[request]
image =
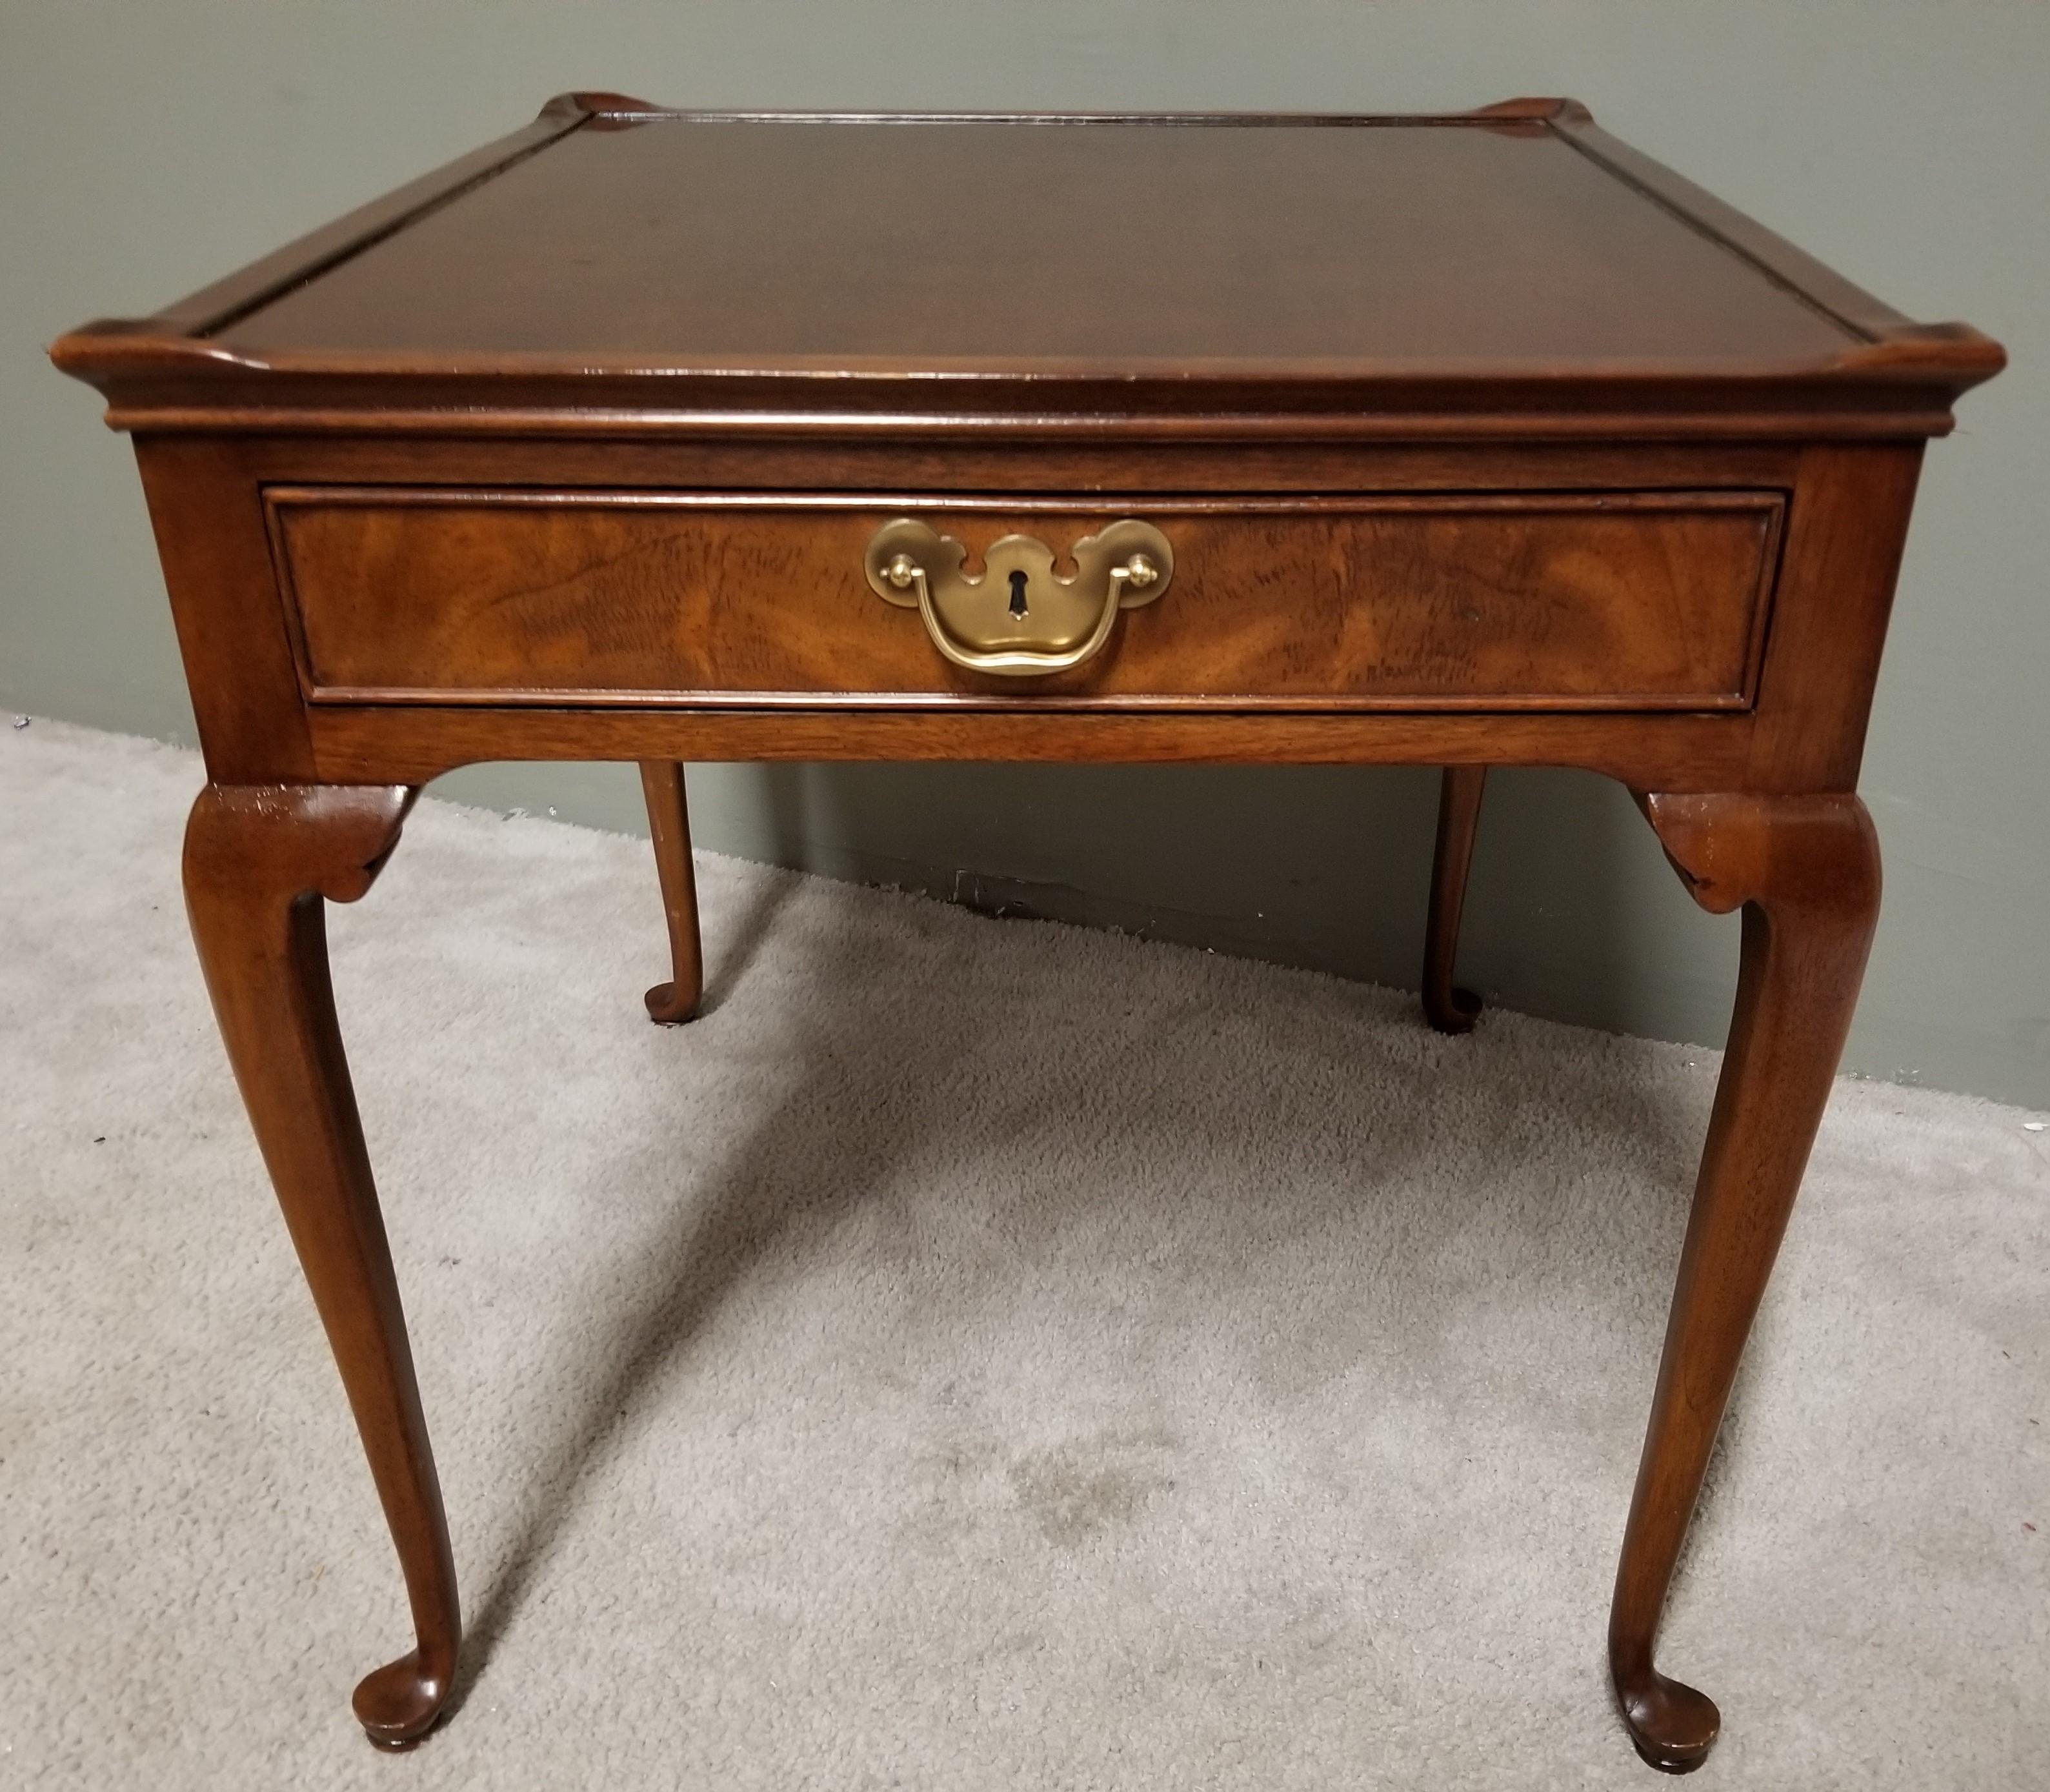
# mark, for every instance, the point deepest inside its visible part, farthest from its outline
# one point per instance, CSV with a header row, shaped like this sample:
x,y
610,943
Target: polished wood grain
x,y
1624,602
260,862
1276,245
1829,612
1501,271
1805,871
1481,439
420,742
669,828
1448,1008
233,635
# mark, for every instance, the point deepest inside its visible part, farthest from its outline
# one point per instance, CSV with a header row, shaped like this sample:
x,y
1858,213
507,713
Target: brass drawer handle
x,y
1018,619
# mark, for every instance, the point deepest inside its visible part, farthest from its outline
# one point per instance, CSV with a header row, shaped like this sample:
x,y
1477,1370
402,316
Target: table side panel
x,y
1847,528
205,500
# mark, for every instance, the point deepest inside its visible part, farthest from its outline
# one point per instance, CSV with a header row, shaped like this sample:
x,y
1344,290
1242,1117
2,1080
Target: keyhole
x,y
1018,593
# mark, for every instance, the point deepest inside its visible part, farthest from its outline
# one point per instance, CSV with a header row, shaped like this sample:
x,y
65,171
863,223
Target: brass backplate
x,y
1018,618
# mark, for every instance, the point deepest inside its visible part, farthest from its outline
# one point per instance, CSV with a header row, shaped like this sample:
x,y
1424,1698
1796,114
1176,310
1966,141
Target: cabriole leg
x,y
1448,1009
259,862
669,822
1805,870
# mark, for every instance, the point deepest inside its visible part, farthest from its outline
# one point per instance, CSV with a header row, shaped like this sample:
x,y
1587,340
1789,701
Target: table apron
x,y
1785,713
412,743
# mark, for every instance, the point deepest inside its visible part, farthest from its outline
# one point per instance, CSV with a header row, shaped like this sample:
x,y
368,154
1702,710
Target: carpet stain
x,y
1073,1491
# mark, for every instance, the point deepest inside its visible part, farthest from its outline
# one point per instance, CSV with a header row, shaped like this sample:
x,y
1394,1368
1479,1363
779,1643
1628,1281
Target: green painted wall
x,y
150,147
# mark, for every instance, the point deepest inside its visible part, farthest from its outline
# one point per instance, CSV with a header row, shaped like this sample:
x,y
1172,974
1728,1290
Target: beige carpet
x,y
975,1355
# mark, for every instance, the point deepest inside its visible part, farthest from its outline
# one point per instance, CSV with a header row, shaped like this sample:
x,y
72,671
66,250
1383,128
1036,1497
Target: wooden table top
x,y
774,243
1260,263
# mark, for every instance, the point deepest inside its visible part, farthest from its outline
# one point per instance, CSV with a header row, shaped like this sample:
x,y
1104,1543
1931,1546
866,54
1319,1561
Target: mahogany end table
x,y
1457,441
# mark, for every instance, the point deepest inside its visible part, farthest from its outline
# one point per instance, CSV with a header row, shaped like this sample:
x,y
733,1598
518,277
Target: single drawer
x,y
1588,601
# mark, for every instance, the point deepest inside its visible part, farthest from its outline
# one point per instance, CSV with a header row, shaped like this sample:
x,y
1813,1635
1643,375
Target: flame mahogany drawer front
x,y
1579,602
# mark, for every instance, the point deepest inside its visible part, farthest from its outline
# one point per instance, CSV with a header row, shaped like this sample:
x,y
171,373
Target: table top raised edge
x,y
165,372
